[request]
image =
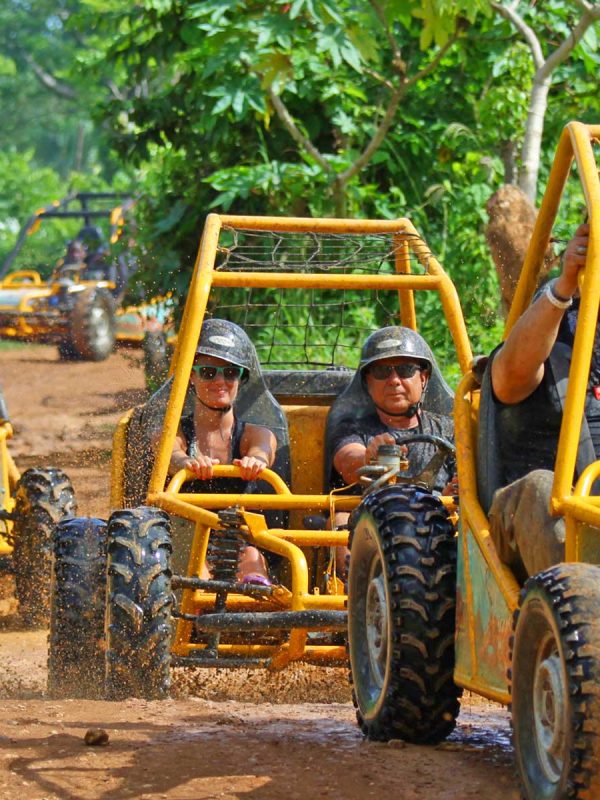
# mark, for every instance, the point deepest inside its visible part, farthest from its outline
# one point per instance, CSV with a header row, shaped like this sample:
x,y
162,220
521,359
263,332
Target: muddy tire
x,y
42,498
67,352
555,674
92,327
156,360
76,641
139,602
401,617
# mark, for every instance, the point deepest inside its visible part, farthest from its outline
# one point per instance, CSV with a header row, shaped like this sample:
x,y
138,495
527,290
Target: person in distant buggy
x,y
76,253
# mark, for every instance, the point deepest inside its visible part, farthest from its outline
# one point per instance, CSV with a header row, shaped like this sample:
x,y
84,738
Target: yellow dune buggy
x,y
30,506
307,292
54,292
535,647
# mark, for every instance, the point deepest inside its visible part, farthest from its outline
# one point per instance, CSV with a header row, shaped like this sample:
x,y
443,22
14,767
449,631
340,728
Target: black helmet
x,y
392,342
223,339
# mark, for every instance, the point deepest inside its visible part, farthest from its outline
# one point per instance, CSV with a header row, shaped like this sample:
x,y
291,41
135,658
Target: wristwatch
x,y
554,298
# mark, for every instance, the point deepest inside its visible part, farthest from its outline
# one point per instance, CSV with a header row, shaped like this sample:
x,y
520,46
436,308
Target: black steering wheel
x,y
444,450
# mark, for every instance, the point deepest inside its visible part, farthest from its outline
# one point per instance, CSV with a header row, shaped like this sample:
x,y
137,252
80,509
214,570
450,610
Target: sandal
x,y
257,579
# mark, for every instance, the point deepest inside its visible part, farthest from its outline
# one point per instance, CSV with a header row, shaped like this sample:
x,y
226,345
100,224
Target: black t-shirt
x,y
566,334
361,429
528,431
216,485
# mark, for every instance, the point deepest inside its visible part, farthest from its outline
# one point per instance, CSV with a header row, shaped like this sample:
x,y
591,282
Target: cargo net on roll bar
x,y
314,328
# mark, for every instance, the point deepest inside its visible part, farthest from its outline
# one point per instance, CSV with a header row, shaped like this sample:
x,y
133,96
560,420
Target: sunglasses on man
x,y
209,373
382,372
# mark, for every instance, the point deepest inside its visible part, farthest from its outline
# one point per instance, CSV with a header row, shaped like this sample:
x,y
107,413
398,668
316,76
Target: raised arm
x,y
518,367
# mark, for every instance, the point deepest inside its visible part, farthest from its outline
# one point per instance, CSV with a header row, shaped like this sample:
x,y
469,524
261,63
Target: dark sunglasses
x,y
209,373
382,372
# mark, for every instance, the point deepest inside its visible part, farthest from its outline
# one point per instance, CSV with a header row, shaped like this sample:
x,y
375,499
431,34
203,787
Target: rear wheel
x,y
156,360
92,326
76,642
555,673
42,498
139,604
401,616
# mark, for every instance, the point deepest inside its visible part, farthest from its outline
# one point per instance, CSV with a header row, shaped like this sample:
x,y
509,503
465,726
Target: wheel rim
x,y
550,711
368,619
542,711
376,622
100,324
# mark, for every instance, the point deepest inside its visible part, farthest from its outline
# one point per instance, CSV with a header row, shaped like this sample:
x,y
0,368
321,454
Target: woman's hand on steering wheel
x,y
201,466
250,466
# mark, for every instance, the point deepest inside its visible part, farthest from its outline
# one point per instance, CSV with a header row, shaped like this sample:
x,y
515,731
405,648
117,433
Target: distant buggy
x,y
30,506
65,279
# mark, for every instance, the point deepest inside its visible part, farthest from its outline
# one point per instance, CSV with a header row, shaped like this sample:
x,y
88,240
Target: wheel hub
x,y
101,325
376,627
549,706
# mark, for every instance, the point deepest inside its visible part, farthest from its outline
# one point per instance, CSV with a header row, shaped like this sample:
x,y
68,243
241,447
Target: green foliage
x,y
186,93
23,189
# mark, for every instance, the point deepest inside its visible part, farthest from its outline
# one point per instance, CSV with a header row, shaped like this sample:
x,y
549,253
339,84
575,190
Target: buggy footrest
x,y
199,660
245,622
180,582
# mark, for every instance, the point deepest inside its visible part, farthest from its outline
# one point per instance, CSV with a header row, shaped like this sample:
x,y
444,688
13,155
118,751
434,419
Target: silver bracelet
x,y
552,297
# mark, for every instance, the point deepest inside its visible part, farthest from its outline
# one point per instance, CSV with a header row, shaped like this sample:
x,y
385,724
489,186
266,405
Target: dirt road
x,y
227,735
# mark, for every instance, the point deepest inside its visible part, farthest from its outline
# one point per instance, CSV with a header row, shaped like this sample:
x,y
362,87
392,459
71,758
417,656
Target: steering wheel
x,y
228,471
427,476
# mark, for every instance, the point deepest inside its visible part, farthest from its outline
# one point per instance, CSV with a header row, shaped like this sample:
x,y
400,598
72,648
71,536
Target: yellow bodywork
x,y
24,311
488,591
9,475
306,422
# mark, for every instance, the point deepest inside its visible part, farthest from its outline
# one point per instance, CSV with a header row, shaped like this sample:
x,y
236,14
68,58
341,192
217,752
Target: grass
x,y
10,344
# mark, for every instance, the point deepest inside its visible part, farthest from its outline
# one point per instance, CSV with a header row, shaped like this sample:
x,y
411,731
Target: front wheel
x,y
76,641
156,360
555,673
92,326
139,601
401,616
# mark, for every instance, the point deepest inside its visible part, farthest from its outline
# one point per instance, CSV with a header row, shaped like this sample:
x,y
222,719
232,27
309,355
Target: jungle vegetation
x,y
358,108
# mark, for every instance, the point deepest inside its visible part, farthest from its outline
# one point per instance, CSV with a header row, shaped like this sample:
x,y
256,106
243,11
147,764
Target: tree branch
x,y
396,50
377,137
388,118
48,80
380,78
115,91
510,13
433,63
572,40
585,6
295,132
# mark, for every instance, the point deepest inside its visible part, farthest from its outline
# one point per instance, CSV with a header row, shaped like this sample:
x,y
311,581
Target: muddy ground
x,y
227,735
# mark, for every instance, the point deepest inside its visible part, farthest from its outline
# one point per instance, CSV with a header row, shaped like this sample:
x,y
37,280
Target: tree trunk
x,y
512,216
534,129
